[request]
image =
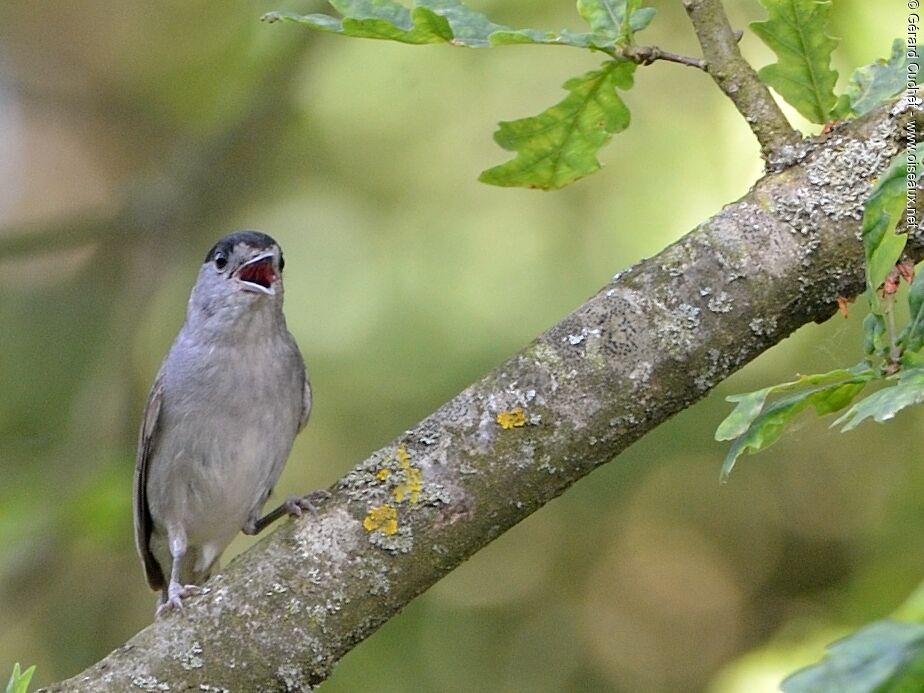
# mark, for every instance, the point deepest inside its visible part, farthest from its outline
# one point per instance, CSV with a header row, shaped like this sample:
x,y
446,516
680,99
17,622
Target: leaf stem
x,y
895,353
780,144
646,55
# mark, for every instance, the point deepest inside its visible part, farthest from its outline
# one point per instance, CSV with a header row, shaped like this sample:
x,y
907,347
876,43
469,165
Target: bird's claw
x,y
297,505
176,593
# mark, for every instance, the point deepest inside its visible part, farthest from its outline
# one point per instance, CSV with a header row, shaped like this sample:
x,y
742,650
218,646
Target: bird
x,y
226,405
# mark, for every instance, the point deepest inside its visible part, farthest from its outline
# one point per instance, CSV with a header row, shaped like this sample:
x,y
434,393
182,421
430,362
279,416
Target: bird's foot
x,y
176,593
294,506
297,505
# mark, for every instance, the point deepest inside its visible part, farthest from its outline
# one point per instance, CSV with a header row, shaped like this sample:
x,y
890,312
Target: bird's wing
x,y
143,522
306,404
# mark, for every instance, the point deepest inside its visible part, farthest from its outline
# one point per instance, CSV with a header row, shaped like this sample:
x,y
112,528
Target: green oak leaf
x,y
913,338
19,680
755,427
882,211
747,408
875,336
641,18
616,18
603,16
884,657
874,84
452,22
886,403
376,19
474,29
560,145
795,31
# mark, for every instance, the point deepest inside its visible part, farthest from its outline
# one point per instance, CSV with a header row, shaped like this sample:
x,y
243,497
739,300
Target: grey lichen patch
x,y
402,541
294,607
675,260
546,356
292,678
838,178
206,688
595,348
428,434
149,683
191,658
689,315
721,303
717,365
375,572
763,326
361,484
549,468
525,458
679,328
328,540
788,155
379,584
435,493
578,337
318,613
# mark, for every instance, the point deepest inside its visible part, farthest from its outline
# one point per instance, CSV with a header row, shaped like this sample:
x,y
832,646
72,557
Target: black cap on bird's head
x,y
255,239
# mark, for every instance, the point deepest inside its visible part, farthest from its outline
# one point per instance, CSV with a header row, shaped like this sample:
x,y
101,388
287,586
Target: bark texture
x,y
647,345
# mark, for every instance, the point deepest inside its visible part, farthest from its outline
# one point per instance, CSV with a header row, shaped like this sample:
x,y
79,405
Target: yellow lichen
x,y
511,419
411,486
383,518
413,480
382,474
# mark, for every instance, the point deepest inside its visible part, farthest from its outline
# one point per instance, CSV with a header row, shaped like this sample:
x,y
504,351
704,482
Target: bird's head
x,y
242,273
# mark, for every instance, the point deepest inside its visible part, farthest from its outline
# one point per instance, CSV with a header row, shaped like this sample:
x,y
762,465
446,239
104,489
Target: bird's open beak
x,y
259,274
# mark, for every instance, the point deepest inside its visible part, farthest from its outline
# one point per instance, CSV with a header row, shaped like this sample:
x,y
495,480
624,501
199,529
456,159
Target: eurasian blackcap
x,y
227,403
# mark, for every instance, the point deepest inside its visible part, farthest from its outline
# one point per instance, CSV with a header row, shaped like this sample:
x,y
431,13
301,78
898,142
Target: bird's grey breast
x,y
230,414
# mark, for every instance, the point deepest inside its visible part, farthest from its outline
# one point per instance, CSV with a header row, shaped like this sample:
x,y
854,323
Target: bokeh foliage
x,y
133,135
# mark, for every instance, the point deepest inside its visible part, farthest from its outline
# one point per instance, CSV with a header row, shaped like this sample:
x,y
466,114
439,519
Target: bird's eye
x,y
282,263
220,261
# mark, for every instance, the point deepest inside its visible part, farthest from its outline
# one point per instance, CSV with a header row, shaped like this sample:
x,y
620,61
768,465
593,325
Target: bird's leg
x,y
294,506
176,591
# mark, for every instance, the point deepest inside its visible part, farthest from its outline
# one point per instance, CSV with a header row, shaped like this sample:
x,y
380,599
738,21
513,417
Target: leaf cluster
x,y
559,145
893,357
797,32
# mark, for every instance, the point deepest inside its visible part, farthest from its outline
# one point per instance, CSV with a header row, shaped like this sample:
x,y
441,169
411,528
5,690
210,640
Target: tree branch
x,y
649,344
780,144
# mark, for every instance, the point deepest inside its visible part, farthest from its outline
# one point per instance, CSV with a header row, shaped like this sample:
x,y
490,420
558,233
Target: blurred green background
x,y
132,135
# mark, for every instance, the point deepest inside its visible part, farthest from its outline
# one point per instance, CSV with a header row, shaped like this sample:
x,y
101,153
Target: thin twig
x,y
646,55
780,144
